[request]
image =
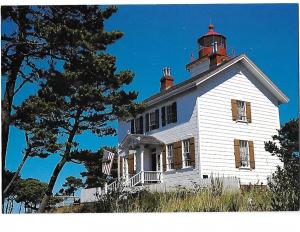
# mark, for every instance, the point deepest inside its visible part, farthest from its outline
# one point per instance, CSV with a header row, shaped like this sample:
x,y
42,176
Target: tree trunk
x,y
51,184
7,104
60,165
15,175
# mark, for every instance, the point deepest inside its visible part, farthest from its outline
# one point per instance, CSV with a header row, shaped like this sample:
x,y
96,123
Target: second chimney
x,y
166,81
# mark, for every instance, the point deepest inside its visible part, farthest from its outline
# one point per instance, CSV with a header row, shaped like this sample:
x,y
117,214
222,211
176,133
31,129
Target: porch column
x,y
161,163
142,162
160,159
126,168
119,168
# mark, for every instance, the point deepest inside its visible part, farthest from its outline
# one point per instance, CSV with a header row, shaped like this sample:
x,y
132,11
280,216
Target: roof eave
x,y
282,98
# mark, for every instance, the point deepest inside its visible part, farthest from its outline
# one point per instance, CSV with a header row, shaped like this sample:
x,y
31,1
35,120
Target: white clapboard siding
x,y
186,126
217,131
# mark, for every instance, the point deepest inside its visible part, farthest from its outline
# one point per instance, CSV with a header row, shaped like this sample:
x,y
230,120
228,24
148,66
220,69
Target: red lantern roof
x,y
211,30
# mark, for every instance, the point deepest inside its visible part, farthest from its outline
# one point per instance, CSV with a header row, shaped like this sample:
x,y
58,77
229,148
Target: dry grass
x,y
202,200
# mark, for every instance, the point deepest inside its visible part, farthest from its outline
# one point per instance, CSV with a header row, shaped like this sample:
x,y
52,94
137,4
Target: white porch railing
x,y
144,177
151,176
136,179
112,186
139,178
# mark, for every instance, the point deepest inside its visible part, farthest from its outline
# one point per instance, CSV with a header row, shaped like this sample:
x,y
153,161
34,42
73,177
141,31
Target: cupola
x,y
211,52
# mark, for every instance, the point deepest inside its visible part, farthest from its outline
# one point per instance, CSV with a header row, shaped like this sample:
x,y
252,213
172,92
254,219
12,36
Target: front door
x,y
153,160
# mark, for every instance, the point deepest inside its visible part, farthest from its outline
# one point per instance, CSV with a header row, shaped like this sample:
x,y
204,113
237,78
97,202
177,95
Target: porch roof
x,y
133,140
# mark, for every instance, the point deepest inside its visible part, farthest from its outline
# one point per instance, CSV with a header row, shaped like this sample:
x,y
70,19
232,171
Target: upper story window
x,y
152,120
241,111
169,114
186,153
170,163
136,126
139,125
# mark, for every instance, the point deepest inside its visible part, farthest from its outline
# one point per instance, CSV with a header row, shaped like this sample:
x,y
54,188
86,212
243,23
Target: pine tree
x,y
71,185
284,183
41,37
87,96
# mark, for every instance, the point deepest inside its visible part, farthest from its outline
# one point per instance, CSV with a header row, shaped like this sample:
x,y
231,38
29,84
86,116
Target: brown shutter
x,y
237,153
251,154
234,109
248,112
164,159
177,155
121,166
192,152
131,164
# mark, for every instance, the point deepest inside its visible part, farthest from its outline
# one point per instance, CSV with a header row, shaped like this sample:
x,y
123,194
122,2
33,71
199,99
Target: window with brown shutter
x,y
192,152
237,153
248,112
164,159
234,109
241,111
177,155
251,154
244,154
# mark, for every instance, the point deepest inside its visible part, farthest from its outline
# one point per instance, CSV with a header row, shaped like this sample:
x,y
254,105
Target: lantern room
x,y
212,43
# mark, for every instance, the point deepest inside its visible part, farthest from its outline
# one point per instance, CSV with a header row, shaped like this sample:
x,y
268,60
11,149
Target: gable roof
x,y
202,77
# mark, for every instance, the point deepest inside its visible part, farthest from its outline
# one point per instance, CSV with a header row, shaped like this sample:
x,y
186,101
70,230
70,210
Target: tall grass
x,y
210,199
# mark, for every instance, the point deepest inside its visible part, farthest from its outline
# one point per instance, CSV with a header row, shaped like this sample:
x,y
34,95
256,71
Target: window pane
x,y
241,110
170,157
244,153
186,154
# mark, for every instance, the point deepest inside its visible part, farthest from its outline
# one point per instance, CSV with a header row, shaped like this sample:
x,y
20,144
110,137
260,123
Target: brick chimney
x,y
166,81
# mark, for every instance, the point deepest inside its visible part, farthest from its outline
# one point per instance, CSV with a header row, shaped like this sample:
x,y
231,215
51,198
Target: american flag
x,y
108,158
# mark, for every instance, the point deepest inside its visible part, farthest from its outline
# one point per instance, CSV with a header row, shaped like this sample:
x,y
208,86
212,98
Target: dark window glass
x,y
132,126
163,116
147,122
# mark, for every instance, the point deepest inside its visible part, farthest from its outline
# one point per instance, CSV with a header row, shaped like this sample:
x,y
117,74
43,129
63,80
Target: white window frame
x,y
241,111
186,153
169,158
244,154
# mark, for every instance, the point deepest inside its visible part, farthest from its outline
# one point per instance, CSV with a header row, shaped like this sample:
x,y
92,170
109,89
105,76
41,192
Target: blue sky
x,y
165,35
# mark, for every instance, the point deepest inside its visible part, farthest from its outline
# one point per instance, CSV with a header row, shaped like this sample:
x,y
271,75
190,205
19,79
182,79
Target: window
x,y
244,153
170,164
241,111
132,126
186,153
152,120
169,114
139,125
136,125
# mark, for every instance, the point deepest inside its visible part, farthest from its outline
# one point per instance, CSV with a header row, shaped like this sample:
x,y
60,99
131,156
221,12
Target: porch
x,y
140,160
